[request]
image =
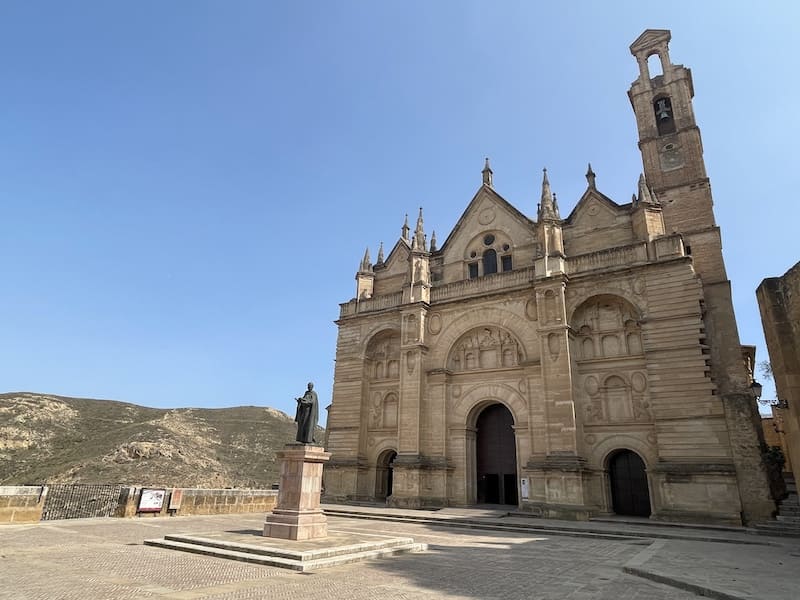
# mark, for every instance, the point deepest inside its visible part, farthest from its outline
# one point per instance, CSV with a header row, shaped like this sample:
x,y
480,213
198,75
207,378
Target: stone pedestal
x,y
297,515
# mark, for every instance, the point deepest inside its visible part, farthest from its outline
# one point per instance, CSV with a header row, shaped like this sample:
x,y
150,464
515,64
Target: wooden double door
x,y
496,457
630,493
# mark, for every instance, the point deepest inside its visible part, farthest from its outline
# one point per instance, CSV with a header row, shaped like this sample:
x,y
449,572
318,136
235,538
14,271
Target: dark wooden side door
x,y
629,492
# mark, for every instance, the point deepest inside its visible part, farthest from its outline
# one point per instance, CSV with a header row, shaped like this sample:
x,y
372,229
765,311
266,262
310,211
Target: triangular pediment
x,y
397,261
485,209
594,209
650,39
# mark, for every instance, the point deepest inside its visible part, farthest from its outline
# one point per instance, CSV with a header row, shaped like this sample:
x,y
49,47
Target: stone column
x,y
297,515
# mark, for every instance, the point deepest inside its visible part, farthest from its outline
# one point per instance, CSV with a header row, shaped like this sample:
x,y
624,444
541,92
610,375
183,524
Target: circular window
x,y
506,247
488,239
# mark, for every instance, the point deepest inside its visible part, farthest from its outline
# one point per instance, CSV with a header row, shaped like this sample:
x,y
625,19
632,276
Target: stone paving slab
x,y
104,559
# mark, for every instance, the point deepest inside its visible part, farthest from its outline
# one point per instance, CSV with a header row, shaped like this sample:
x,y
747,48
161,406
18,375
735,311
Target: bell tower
x,y
674,170
672,152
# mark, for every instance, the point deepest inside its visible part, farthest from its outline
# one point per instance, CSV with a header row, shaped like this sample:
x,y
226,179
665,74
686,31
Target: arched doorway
x,y
383,474
496,456
630,494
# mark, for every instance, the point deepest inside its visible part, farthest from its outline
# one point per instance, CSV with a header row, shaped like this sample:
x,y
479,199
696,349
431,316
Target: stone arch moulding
x,y
376,331
465,410
575,302
490,317
385,445
602,451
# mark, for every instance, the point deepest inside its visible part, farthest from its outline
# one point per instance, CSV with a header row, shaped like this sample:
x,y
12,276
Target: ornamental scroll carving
x,y
485,348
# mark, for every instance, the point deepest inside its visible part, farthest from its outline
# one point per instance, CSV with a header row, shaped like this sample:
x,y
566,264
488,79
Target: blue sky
x,y
187,188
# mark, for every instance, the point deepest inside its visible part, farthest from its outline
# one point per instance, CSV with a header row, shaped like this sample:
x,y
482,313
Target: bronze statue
x,y
306,416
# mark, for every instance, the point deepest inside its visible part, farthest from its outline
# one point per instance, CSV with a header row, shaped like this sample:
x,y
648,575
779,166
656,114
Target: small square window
x,y
473,270
506,260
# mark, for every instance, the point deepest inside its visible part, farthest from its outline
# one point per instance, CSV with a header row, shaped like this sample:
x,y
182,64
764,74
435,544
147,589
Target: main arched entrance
x,y
383,474
496,456
630,494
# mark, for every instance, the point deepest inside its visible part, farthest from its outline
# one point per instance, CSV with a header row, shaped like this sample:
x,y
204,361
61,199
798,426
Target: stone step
x,y
308,560
788,520
777,529
578,529
286,553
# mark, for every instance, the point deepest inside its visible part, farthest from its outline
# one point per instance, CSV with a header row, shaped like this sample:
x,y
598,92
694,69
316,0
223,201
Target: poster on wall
x,y
151,500
524,487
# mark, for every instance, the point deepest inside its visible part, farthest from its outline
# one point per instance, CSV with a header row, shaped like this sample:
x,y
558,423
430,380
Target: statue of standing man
x,y
306,416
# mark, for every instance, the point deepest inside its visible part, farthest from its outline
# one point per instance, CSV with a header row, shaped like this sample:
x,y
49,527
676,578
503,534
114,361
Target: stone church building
x,y
571,366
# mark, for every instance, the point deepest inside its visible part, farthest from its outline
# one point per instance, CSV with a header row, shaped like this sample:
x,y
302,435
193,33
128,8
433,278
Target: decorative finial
x,y
366,266
419,234
644,192
555,206
590,178
487,173
380,254
546,208
433,241
405,229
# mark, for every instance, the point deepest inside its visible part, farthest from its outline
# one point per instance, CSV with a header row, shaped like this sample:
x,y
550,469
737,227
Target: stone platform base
x,y
296,525
252,547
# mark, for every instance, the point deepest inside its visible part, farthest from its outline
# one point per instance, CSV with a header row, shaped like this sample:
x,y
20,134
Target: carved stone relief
x,y
435,323
383,410
383,357
411,362
411,329
550,307
616,401
607,327
553,345
531,310
485,348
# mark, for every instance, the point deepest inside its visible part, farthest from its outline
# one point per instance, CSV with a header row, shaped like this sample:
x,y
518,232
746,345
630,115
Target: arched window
x,y
489,262
665,119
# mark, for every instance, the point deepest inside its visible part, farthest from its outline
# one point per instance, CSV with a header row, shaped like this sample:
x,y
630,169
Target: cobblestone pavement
x,y
105,559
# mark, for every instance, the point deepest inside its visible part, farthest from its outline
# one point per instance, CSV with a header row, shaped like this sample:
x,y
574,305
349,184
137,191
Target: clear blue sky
x,y
187,188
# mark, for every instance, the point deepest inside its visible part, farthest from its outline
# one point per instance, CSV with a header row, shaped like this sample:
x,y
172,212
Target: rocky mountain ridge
x,y
55,439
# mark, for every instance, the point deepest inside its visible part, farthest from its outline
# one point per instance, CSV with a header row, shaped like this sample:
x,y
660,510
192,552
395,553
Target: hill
x,y
54,439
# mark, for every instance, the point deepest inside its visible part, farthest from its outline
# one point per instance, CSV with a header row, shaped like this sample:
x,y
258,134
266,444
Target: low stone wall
x,y
196,501
24,504
21,503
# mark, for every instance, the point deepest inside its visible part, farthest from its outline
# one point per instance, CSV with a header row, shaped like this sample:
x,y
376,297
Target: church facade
x,y
571,366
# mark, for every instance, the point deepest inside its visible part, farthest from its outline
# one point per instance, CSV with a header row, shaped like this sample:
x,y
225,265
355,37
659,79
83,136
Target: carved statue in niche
x,y
641,409
484,348
376,410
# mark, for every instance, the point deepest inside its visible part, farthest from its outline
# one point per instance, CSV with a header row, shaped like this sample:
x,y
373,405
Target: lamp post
x,y
757,389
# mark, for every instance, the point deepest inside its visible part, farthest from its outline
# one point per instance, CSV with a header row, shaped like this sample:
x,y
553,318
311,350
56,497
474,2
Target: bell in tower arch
x,y
664,117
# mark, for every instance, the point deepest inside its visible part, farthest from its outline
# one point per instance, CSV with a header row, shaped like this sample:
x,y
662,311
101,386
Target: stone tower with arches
x,y
569,366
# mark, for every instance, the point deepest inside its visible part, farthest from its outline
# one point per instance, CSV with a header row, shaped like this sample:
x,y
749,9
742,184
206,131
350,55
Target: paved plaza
x,y
106,559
